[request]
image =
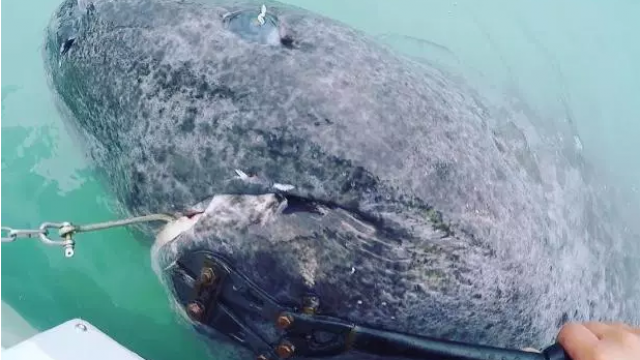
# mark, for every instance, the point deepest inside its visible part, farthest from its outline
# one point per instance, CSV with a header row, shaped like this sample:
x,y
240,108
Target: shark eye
x,y
253,26
287,41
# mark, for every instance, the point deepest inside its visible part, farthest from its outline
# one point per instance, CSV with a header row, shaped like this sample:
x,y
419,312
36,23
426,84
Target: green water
x,y
578,59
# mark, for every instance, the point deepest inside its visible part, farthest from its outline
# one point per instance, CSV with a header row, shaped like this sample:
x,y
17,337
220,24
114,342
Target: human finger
x,y
599,329
602,329
577,340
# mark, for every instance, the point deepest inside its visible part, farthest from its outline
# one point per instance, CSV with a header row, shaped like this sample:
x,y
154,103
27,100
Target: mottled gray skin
x,y
453,226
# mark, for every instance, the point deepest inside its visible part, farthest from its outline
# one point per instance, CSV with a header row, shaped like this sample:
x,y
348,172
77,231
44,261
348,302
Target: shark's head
x,y
327,164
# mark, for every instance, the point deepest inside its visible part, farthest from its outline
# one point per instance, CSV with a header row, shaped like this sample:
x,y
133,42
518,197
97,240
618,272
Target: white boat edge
x,y
75,339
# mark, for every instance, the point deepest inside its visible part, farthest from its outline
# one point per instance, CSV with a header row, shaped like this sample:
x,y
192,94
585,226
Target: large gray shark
x,y
326,163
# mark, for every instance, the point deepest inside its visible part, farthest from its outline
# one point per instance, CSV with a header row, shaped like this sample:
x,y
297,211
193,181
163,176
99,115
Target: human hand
x,y
600,341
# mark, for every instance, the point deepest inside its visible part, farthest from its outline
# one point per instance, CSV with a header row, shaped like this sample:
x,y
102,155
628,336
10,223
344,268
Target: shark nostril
x,y
73,19
66,45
